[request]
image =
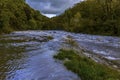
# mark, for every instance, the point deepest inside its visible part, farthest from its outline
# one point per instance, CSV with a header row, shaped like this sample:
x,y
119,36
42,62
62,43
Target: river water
x,y
28,55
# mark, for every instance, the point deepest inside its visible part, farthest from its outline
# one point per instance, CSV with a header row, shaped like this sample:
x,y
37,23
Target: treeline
x,y
92,17
17,15
89,16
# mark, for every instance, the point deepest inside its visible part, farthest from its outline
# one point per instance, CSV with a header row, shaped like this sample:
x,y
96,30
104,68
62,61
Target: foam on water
x,y
37,63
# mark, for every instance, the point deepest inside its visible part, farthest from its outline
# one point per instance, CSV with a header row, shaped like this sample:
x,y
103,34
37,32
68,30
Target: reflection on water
x,y
28,55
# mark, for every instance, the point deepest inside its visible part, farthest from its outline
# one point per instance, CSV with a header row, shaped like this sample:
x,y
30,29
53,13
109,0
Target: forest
x,y
92,17
17,15
89,16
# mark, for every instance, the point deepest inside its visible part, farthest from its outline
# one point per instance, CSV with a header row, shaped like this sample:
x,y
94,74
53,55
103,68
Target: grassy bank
x,y
86,68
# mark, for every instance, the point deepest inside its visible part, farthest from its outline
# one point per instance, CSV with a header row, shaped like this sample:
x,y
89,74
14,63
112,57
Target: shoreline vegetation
x,y
87,17
86,68
16,15
98,17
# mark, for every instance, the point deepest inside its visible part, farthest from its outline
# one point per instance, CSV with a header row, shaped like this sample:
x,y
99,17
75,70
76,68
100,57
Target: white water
x,y
38,62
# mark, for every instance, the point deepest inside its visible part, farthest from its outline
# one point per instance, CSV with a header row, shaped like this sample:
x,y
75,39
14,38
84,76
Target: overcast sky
x,y
51,7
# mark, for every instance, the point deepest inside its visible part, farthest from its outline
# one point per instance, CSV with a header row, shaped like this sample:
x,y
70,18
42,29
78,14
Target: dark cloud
x,y
51,6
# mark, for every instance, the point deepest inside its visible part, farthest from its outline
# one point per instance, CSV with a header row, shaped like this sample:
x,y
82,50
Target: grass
x,y
11,41
4,39
70,41
86,68
49,37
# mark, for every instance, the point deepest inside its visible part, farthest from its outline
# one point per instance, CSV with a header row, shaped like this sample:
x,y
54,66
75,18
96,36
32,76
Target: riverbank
x,y
85,67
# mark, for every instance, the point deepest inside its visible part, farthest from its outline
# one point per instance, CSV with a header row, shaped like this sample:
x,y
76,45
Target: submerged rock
x,y
36,61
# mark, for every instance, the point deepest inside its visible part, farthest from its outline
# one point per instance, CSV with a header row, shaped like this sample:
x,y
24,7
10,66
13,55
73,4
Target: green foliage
x,y
17,15
70,41
32,24
86,68
89,16
93,17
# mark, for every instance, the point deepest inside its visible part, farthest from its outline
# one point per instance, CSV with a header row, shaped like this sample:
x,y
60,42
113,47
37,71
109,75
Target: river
x,y
28,55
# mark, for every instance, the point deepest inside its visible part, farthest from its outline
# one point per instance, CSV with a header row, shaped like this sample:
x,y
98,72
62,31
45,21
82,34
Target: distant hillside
x,y
91,16
17,15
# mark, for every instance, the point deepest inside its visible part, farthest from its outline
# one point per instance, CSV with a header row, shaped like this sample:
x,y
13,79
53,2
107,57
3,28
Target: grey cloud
x,y
51,6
